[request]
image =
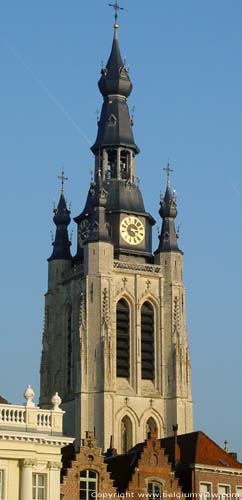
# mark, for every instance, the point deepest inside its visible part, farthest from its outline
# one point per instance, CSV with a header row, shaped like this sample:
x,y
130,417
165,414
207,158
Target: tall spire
x,y
115,124
168,211
61,243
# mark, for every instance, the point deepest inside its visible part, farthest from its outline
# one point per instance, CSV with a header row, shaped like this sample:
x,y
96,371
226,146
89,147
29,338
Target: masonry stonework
x,y
115,343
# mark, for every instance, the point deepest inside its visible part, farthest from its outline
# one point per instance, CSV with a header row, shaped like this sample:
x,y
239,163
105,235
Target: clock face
x,y
132,230
84,231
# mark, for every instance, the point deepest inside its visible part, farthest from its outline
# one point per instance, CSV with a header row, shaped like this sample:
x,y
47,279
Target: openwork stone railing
x,y
12,414
44,419
31,418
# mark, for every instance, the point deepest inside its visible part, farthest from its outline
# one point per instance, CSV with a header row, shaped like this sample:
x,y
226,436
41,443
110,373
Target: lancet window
x,y
123,338
126,434
147,341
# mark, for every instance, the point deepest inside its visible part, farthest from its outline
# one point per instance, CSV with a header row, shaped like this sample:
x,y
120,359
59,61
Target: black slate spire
x,y
115,125
114,192
61,243
168,211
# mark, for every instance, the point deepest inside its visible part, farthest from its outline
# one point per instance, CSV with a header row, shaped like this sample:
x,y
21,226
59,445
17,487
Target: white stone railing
x,y
44,419
12,414
34,419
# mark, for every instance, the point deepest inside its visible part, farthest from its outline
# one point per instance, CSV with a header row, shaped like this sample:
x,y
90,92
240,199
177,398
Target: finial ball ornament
x,y
29,396
56,401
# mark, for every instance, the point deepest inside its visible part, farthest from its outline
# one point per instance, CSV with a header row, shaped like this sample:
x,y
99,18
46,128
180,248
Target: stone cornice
x,y
142,268
27,437
217,469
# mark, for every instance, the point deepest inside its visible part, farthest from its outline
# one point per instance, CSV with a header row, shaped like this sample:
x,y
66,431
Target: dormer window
x,y
112,120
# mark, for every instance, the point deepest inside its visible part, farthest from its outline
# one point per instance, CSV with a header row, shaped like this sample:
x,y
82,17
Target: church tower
x,y
115,342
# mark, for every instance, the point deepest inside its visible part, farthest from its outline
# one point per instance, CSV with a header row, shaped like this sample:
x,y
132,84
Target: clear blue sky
x,y
185,64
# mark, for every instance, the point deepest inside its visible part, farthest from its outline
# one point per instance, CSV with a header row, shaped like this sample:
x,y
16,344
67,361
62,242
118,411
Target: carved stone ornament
x,y
54,465
28,462
29,396
154,460
83,309
105,307
56,401
136,267
176,315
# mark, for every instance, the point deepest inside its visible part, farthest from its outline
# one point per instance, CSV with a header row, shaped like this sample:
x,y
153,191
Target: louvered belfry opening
x,y
147,341
122,327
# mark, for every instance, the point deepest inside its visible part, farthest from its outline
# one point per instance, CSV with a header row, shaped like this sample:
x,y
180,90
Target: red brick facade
x,y
153,466
88,458
173,466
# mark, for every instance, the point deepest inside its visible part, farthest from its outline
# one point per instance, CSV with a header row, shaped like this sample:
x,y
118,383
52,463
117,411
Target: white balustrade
x,y
44,419
31,418
12,415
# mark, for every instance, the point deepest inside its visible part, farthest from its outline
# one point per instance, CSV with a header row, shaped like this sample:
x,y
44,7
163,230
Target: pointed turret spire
x,y
115,137
61,243
168,211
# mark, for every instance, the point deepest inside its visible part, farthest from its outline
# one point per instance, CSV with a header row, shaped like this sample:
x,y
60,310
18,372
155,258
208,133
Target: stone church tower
x,y
115,342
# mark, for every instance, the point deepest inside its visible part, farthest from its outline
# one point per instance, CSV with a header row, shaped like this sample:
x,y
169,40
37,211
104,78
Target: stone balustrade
x,y
31,418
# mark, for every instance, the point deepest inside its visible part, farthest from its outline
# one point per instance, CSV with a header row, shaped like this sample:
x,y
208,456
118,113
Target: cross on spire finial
x,y
168,171
62,179
116,7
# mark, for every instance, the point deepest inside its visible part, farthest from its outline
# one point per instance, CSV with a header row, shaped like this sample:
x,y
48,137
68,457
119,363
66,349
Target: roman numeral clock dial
x,y
132,230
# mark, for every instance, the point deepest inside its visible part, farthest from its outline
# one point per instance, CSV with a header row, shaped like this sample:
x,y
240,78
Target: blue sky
x,y
185,64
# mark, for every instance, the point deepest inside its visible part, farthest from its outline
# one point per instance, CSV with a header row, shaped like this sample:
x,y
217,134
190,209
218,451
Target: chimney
x,y
177,451
111,450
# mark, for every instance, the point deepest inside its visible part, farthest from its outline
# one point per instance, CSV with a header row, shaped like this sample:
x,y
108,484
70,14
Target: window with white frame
x,y
1,484
223,491
88,484
39,486
206,491
239,492
154,490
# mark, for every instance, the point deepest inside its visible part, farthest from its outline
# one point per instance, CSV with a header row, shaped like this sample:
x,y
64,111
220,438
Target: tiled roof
x,y
198,448
121,467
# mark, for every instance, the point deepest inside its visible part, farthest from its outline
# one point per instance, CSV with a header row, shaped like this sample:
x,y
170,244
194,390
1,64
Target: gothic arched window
x,y
151,426
126,434
147,341
122,339
88,484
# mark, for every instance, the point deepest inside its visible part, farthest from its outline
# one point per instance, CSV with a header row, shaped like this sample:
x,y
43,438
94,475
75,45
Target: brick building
x,y
157,468
84,472
143,470
202,466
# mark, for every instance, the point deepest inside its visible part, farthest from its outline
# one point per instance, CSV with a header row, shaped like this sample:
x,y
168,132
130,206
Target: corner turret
x,y
168,212
61,243
60,259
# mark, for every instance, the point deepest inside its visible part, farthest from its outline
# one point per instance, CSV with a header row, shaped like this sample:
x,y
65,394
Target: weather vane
x,y
168,171
116,7
62,179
